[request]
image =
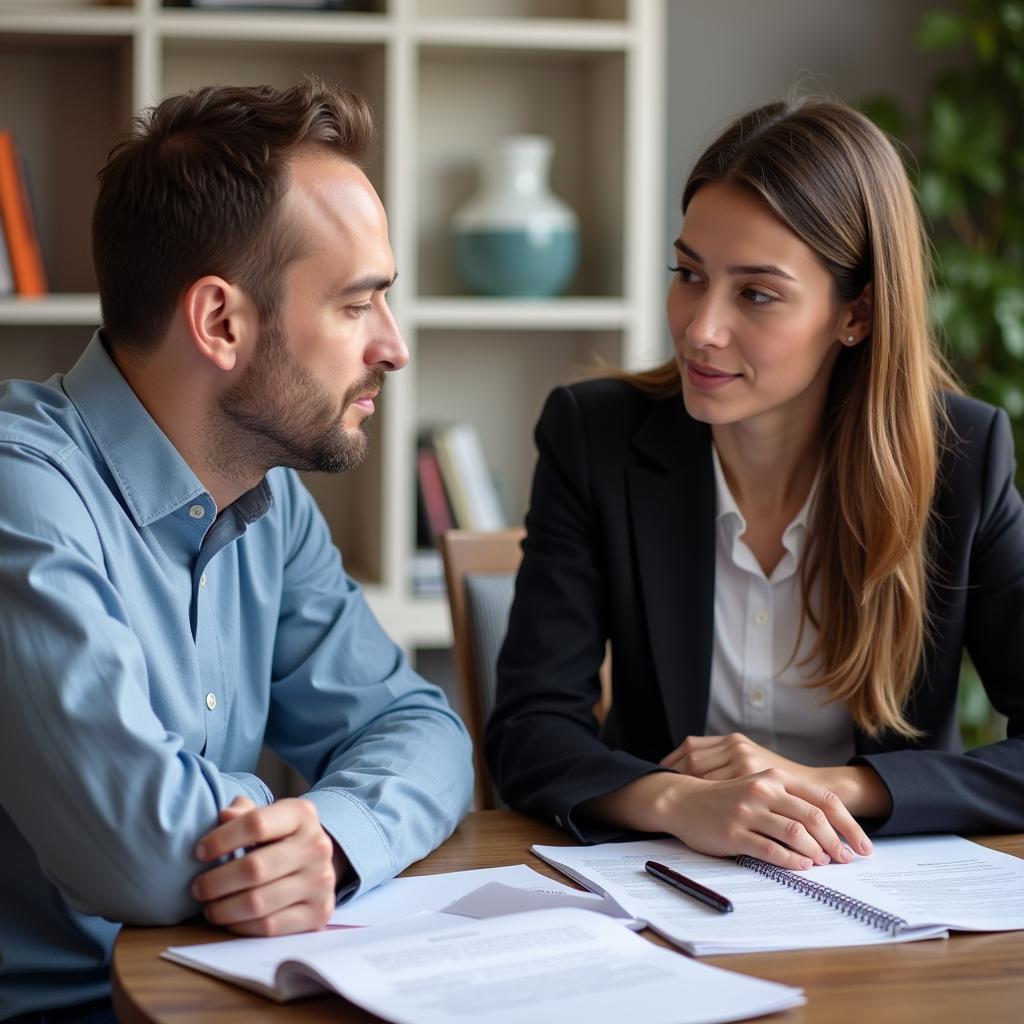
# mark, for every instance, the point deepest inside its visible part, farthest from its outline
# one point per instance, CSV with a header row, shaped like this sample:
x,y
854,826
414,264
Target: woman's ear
x,y
855,324
221,320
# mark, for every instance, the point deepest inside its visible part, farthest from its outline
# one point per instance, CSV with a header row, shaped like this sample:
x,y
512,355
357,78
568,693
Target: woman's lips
x,y
707,378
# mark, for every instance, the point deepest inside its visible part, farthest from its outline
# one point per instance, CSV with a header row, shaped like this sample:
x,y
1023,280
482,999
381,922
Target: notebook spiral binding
x,y
865,912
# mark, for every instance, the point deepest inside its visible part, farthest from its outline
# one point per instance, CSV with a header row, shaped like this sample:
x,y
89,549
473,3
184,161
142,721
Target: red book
x,y
19,229
435,500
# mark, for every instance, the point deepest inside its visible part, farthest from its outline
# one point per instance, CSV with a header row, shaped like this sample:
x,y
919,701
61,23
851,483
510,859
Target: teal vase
x,y
515,238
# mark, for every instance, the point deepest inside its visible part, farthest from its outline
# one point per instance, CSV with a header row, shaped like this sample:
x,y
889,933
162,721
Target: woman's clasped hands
x,y
733,796
727,795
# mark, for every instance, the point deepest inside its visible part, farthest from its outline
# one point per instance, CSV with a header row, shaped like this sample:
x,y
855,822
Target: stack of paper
x,y
512,945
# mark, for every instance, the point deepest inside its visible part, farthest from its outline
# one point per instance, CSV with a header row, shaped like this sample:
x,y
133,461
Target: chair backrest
x,y
480,573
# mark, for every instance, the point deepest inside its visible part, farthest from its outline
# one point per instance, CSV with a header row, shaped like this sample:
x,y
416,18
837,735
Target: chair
x,y
480,571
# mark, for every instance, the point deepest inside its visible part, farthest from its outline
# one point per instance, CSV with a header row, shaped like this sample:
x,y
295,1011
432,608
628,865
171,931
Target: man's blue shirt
x,y
148,648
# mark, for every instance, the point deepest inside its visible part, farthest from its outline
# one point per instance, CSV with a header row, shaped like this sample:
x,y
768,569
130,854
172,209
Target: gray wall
x,y
725,56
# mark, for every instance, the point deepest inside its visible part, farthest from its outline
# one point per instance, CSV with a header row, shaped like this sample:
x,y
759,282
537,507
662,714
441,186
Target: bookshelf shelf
x,y
278,27
67,308
446,78
70,22
524,314
535,34
574,12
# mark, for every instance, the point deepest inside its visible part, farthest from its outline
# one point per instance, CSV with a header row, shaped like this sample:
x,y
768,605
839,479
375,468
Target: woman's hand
x,y
772,814
717,758
729,757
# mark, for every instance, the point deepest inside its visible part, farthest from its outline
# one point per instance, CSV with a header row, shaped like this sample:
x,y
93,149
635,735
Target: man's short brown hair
x,y
195,188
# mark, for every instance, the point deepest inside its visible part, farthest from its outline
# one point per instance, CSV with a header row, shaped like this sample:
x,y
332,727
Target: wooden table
x,y
976,978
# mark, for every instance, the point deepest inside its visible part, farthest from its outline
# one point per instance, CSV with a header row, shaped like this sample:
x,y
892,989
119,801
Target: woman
x,y
787,534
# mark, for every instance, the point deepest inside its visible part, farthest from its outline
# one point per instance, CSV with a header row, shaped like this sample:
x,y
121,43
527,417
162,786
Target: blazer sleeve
x,y
982,789
542,742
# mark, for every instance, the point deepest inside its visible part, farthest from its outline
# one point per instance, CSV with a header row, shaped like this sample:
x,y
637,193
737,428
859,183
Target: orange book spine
x,y
22,242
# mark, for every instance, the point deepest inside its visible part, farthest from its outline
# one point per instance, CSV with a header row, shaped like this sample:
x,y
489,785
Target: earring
x,y
849,339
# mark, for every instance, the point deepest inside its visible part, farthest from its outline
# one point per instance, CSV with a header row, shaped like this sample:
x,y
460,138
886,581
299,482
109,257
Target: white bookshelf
x,y
445,78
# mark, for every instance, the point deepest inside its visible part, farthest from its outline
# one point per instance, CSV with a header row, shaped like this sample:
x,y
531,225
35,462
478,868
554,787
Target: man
x,y
169,595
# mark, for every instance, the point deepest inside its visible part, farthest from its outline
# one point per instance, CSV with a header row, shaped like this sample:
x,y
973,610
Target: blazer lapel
x,y
672,503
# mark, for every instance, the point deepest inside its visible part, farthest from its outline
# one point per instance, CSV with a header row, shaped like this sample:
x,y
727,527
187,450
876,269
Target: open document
x,y
908,888
543,966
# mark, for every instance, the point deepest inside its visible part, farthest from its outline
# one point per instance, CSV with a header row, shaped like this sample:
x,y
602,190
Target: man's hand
x,y
287,878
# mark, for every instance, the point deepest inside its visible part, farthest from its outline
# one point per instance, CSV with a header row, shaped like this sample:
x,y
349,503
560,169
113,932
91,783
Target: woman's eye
x,y
758,297
685,274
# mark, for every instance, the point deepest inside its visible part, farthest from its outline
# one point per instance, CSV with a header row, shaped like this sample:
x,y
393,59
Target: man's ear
x,y
858,317
221,319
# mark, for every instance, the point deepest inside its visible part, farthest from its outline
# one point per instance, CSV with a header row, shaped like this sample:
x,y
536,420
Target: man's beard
x,y
279,415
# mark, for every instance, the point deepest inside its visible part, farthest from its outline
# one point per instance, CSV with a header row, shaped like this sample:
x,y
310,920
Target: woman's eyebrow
x,y
746,268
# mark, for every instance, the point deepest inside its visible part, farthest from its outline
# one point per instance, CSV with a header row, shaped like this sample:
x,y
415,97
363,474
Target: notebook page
x,y
767,915
935,880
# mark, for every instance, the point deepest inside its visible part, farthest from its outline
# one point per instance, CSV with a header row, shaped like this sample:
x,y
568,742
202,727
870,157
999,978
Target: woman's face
x,y
752,312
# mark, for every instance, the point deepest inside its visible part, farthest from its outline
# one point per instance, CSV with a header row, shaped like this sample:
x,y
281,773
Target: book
x,y
426,573
18,223
6,271
545,966
909,888
435,513
467,479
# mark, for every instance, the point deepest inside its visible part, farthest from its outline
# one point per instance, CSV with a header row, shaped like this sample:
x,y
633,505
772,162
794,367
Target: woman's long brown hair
x,y
833,178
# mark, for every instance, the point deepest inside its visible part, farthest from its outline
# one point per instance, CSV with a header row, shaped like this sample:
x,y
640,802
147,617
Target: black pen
x,y
699,892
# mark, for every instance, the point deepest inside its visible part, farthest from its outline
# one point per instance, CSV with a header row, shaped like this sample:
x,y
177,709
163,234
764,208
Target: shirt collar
x,y
729,512
149,471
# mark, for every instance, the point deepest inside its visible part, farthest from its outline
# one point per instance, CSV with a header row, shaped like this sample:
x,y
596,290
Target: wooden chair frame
x,y
469,551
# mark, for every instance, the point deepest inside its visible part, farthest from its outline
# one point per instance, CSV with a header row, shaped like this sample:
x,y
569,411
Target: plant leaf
x,y
940,30
1009,314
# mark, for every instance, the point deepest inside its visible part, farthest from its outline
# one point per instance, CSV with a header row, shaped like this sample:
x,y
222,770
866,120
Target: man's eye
x,y
361,310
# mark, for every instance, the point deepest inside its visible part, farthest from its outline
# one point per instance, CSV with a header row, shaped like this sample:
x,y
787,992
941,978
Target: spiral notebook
x,y
909,888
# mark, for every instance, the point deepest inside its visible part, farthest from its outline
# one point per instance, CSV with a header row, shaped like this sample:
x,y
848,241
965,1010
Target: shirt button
x,y
757,698
211,701
202,581
760,617
197,511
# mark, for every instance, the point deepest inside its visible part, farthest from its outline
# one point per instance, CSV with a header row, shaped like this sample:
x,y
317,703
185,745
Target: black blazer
x,y
620,547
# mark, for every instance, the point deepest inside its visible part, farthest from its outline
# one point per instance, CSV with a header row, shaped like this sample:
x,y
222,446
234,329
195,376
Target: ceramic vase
x,y
514,237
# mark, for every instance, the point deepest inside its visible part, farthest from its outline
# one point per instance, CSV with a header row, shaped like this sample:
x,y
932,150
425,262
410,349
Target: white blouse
x,y
755,677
